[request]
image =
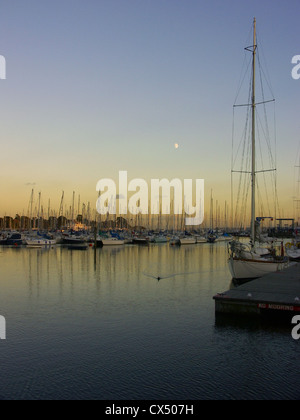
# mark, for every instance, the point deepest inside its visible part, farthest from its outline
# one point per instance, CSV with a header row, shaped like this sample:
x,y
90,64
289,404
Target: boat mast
x,y
38,226
253,173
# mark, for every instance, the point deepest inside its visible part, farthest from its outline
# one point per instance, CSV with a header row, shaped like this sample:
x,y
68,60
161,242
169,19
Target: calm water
x,y
86,326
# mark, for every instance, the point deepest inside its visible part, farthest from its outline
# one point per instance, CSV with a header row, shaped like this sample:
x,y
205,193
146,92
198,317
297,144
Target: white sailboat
x,y
248,261
187,240
41,242
112,241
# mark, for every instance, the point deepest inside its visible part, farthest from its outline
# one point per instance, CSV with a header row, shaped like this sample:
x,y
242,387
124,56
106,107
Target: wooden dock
x,y
276,293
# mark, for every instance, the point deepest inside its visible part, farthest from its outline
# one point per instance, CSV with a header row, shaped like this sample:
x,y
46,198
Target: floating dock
x,y
276,293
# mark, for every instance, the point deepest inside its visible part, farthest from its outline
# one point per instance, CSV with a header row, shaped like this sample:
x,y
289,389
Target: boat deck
x,y
274,293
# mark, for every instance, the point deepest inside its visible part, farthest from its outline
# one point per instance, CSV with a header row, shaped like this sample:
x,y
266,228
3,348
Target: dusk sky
x,y
98,86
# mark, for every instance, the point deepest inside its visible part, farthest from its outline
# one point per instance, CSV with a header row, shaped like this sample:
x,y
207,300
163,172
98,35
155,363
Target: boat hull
x,y
242,269
188,241
40,243
160,240
112,242
201,240
140,241
73,241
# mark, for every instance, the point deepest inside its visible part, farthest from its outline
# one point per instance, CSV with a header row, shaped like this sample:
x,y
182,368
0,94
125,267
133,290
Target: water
x,y
86,326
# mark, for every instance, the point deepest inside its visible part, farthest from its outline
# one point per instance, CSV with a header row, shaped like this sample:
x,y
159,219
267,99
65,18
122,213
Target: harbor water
x,y
99,325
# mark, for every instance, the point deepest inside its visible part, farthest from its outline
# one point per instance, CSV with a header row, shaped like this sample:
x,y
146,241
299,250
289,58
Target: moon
x,y
176,145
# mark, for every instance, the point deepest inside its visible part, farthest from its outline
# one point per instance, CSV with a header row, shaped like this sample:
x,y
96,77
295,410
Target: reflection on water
x,y
88,325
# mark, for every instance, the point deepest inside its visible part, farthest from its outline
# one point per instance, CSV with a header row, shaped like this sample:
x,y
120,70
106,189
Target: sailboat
x,y
246,261
211,236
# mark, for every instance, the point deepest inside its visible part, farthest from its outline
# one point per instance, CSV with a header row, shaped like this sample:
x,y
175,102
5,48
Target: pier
x,y
274,294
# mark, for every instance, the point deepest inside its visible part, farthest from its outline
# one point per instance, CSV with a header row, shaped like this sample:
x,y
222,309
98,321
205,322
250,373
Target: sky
x,y
98,86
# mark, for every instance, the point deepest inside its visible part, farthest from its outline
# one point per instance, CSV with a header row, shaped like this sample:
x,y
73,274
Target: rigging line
x,y
248,113
271,161
260,201
241,143
245,201
244,188
239,193
244,181
275,159
264,174
232,137
267,135
266,74
268,142
246,63
231,175
242,79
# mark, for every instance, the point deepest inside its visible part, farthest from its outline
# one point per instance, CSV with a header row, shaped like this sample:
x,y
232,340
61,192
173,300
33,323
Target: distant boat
x,y
140,240
211,237
187,240
14,239
112,241
160,239
74,240
39,242
200,239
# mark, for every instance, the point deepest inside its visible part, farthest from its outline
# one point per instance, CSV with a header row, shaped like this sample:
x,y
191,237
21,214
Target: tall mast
x,y
253,173
38,226
31,205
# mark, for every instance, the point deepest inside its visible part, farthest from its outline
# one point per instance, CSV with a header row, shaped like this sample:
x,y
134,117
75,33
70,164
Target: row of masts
x,y
77,213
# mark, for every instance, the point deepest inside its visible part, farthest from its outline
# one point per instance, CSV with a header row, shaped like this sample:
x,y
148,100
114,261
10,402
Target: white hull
x,y
187,241
113,242
253,269
40,243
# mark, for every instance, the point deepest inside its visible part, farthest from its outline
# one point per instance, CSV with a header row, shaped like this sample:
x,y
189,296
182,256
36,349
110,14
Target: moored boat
x,y
140,240
112,241
247,261
187,240
160,239
39,242
13,239
73,240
